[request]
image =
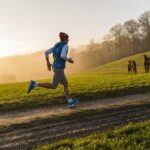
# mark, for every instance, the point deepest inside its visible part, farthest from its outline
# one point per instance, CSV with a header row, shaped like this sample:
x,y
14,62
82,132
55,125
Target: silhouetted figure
x,y
129,66
146,63
132,67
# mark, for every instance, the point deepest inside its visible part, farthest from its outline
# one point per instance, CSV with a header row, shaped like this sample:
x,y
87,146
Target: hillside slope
x,y
33,66
104,81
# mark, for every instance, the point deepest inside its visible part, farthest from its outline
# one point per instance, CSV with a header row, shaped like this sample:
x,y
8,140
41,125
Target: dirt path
x,y
26,116
27,135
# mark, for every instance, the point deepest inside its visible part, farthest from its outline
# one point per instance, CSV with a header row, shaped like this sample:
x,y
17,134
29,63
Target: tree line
x,y
123,39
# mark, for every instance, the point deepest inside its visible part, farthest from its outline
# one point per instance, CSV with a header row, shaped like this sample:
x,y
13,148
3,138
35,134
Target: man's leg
x,y
64,82
53,85
55,82
71,101
66,91
34,84
47,85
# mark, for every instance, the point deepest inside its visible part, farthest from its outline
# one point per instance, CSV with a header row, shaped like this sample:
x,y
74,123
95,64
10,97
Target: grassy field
x,y
132,136
104,81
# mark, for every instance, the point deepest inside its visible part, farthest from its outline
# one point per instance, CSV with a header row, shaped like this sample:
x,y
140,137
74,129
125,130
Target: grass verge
x,y
128,137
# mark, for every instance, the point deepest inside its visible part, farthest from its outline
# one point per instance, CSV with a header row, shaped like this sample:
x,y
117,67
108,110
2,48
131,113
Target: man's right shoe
x,y
73,103
31,86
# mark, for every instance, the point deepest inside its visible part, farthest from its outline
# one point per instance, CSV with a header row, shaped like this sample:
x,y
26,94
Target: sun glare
x,y
8,48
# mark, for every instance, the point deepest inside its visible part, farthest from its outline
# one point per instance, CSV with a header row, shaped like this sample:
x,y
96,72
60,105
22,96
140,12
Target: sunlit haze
x,y
31,25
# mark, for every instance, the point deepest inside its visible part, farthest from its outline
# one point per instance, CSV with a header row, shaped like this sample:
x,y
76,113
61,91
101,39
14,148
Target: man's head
x,y
64,37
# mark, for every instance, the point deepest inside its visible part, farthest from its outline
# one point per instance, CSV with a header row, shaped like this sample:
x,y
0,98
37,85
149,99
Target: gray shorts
x,y
59,77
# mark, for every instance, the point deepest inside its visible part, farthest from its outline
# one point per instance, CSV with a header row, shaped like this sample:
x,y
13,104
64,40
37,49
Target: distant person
x,y
132,67
129,66
59,52
146,63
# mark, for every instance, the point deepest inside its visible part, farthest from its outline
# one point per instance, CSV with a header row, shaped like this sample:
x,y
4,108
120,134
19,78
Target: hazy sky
x,y
31,25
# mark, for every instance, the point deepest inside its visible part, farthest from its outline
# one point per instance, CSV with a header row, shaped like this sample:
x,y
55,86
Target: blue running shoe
x,y
31,86
73,103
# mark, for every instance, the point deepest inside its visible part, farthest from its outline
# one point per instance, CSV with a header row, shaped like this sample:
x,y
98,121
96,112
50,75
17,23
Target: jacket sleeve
x,y
64,52
49,51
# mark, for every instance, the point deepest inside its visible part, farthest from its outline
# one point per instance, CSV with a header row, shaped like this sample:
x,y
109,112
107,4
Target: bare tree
x,y
118,35
132,31
92,47
144,21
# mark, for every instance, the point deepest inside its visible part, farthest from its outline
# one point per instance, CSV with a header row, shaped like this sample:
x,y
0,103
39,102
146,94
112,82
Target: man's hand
x,y
70,60
49,66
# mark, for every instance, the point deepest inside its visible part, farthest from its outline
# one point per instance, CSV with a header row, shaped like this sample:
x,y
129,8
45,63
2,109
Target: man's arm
x,y
49,51
64,54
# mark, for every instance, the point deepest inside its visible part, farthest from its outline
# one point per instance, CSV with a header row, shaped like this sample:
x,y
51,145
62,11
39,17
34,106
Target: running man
x,y
59,52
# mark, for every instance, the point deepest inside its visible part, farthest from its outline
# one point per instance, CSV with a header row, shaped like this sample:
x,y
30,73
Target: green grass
x,y
104,81
129,137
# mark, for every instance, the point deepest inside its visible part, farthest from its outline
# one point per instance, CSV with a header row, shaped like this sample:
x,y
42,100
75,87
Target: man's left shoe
x,y
31,86
73,103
